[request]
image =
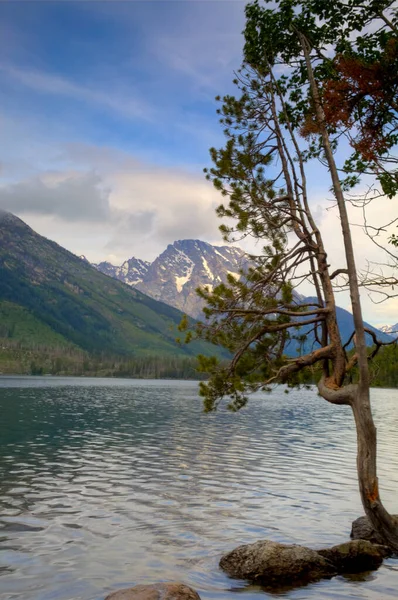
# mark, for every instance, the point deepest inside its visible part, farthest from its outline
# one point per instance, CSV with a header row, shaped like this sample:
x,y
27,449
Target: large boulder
x,y
156,591
362,529
273,564
355,556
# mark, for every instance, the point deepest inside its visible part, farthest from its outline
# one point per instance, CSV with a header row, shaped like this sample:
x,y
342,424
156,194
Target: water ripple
x,y
106,484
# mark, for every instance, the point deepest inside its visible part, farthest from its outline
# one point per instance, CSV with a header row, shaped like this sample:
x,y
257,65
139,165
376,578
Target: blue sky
x,y
137,76
107,114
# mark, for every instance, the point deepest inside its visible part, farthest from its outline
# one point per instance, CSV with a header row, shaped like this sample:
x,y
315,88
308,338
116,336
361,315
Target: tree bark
x,y
381,520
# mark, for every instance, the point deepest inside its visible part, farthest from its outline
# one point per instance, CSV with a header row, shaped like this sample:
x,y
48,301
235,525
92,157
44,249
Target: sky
x,y
107,113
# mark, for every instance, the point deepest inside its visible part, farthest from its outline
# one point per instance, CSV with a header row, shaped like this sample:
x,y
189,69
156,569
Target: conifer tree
x,y
302,60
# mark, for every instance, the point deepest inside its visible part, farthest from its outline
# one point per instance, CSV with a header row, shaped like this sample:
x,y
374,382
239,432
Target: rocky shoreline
x,y
274,565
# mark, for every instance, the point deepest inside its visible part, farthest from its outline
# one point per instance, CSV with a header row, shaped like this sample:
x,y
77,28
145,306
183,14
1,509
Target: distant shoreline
x,y
110,377
126,378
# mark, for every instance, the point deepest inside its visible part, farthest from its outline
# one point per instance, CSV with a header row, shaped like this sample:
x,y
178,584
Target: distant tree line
x,y
34,359
383,369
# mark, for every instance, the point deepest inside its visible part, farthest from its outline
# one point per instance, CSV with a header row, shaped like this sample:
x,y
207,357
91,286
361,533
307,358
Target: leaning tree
x,y
281,121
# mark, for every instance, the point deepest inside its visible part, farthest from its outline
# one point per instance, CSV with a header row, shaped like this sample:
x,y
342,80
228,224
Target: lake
x,y
109,483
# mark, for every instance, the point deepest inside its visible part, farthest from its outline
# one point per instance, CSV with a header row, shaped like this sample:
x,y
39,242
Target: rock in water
x,y
274,564
362,529
356,556
156,591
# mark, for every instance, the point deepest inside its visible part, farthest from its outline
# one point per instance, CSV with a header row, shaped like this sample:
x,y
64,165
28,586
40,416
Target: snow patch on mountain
x,y
207,269
181,281
132,271
219,253
234,275
390,329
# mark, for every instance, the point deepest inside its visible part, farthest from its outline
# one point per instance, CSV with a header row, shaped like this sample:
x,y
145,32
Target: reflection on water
x,y
108,483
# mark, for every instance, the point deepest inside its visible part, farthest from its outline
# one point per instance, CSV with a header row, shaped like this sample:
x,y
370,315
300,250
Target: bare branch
x,y
338,272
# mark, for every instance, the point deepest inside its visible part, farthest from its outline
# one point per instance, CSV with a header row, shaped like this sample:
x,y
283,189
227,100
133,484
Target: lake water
x,y
110,483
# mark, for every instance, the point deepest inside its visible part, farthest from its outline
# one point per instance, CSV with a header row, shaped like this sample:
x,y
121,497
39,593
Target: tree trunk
x,y
382,521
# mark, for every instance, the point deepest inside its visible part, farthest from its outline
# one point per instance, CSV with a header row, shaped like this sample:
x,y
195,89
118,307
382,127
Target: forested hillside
x,y
50,298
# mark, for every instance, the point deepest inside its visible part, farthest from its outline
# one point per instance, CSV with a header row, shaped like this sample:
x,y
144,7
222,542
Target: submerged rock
x,y
355,556
274,564
362,529
156,591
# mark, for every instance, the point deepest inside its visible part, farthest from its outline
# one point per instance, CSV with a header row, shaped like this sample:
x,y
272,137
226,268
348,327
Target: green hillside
x,y
20,325
50,297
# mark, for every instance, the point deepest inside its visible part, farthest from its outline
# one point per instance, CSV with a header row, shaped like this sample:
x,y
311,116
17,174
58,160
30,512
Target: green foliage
x,y
36,369
384,368
249,316
361,33
393,240
389,183
18,324
24,358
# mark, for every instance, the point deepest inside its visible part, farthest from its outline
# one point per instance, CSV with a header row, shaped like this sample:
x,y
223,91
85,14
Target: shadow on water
x,y
109,483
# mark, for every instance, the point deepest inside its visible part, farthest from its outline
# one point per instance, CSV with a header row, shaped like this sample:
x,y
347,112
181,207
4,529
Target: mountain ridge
x,y
71,303
185,265
81,305
179,270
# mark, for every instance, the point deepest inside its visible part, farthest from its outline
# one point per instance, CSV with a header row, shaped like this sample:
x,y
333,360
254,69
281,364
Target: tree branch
x,y
338,272
301,362
335,395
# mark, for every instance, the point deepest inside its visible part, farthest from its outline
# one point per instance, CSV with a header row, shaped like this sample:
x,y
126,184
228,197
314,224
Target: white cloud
x,y
157,206
378,213
114,206
69,196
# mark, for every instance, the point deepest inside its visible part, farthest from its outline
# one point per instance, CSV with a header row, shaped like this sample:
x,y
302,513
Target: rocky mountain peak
x,y
179,270
7,219
132,271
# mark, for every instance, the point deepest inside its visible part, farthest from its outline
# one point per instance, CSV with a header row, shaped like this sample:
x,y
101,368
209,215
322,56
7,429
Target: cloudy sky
x,y
107,115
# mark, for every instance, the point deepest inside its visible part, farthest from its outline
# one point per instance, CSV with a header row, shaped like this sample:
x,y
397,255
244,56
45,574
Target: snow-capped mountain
x,y
186,265
390,329
132,271
174,276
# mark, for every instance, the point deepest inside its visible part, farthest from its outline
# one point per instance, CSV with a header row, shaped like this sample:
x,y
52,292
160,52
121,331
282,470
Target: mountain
x,y
391,330
174,276
345,322
186,265
51,296
132,271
